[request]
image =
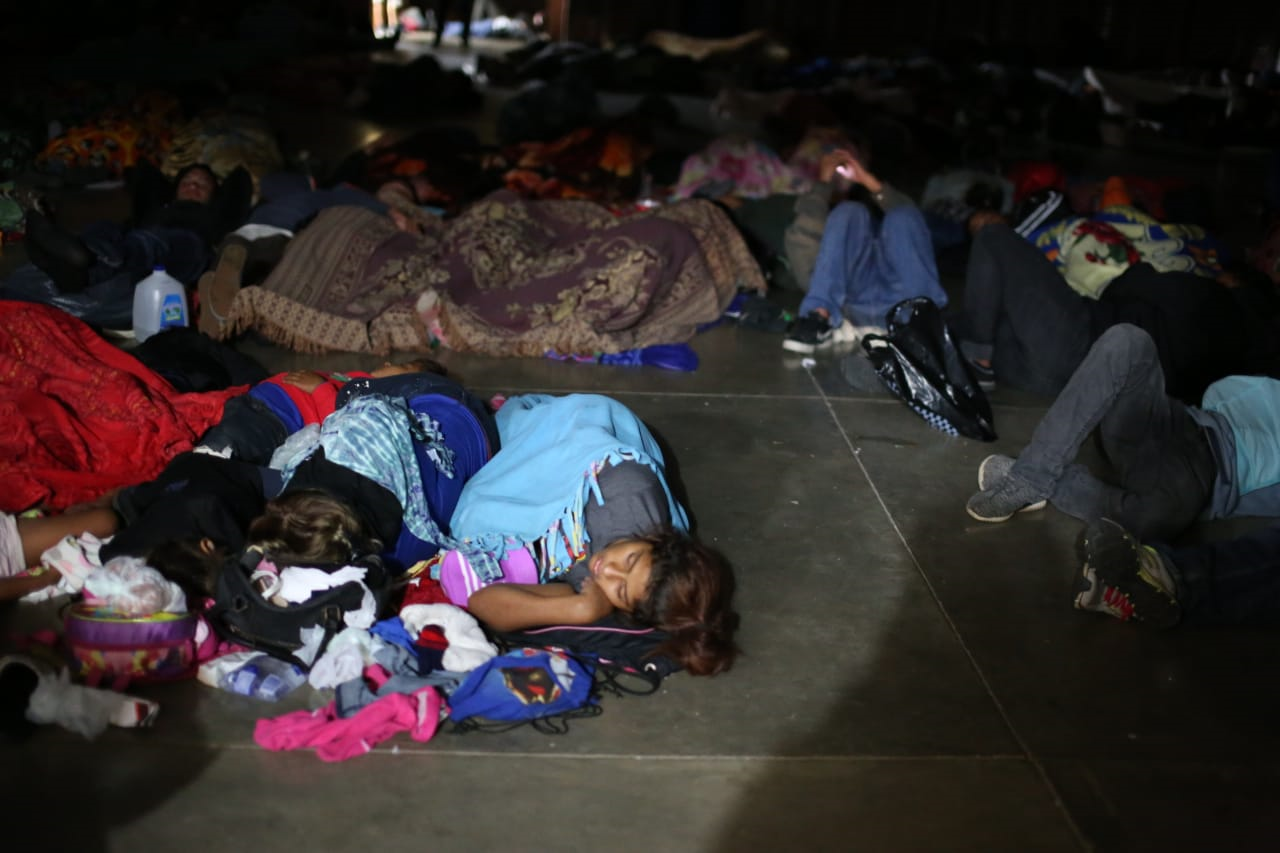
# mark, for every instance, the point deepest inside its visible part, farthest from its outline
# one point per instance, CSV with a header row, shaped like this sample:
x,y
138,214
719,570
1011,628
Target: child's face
x,y
622,571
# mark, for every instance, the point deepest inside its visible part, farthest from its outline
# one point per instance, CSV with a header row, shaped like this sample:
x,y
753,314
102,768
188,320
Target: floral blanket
x,y
508,277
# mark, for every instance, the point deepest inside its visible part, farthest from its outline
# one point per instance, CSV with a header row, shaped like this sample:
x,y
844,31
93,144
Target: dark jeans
x,y
249,428
1163,463
137,251
1022,314
1231,582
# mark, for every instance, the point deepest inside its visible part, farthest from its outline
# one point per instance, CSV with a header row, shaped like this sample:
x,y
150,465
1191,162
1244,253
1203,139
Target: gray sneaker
x,y
1003,500
1122,578
995,468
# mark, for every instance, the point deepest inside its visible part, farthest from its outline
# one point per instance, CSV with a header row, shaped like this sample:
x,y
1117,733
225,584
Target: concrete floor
x,y
913,679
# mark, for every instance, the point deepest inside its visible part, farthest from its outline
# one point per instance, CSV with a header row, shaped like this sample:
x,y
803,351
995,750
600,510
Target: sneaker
x,y
809,334
995,468
1122,578
847,334
1001,502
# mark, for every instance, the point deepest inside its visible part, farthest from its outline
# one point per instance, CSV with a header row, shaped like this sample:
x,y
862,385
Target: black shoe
x,y
58,252
809,333
985,376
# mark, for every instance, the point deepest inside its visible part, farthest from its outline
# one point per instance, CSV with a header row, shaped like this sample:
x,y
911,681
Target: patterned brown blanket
x,y
508,277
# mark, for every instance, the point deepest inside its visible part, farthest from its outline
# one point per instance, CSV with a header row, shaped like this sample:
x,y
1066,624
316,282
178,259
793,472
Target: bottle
x,y
264,677
159,302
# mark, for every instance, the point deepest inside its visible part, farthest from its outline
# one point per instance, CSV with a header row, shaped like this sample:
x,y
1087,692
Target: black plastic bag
x,y
918,361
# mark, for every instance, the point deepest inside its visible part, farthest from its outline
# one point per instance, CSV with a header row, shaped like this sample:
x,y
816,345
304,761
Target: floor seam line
x,y
1031,758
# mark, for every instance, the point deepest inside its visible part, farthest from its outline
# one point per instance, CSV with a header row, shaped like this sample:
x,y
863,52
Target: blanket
x,y
508,277
81,416
536,487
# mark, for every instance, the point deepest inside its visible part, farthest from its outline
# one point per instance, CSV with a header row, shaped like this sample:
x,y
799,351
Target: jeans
x,y
1162,461
1022,314
138,251
249,429
864,269
1230,582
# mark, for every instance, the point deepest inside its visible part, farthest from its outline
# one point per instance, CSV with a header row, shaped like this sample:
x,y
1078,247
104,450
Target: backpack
x,y
543,687
241,615
622,654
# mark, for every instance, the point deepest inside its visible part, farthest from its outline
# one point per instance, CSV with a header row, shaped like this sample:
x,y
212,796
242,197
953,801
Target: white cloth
x,y
74,559
130,587
298,583
254,231
84,710
11,560
468,647
345,658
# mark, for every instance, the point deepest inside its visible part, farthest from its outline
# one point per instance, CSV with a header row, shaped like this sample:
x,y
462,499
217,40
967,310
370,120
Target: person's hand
x,y
838,162
843,163
982,218
592,601
307,380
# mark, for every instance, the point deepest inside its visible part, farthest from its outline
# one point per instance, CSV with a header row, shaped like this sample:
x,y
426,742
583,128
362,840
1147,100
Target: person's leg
x,y
249,430
847,239
58,252
900,265
1164,466
182,253
1228,582
442,15
1020,314
1121,372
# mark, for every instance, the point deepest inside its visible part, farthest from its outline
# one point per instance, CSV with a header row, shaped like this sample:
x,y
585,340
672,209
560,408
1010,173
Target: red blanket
x,y
79,417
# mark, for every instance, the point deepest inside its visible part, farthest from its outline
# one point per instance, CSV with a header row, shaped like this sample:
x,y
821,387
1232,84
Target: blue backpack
x,y
544,687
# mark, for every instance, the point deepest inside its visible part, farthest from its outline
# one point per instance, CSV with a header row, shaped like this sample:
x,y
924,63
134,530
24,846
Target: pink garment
x,y
337,739
749,168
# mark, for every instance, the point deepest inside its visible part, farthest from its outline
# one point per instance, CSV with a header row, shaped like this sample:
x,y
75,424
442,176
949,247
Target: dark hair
x,y
309,526
191,167
690,598
425,364
190,566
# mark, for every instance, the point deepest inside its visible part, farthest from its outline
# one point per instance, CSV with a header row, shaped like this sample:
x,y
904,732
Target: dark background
x,y
1120,34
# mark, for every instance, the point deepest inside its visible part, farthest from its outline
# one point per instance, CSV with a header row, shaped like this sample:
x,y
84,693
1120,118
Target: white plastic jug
x,y
159,302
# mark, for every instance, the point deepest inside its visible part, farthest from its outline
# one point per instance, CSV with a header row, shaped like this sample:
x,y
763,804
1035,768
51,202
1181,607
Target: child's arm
x,y
16,587
510,606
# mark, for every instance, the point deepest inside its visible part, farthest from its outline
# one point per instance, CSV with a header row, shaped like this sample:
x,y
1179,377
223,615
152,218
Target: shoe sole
x,y
990,519
1151,606
804,348
218,289
983,486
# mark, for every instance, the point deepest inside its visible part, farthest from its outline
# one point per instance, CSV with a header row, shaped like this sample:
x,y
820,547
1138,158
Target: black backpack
x,y
241,615
623,655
